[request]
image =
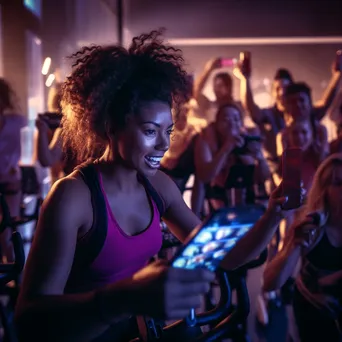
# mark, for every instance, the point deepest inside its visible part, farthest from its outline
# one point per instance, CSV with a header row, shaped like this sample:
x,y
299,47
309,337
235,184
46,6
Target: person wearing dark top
x,y
272,120
315,240
49,142
222,88
221,150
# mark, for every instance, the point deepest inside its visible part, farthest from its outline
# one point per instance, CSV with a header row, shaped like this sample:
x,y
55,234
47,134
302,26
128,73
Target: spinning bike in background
x,y
10,272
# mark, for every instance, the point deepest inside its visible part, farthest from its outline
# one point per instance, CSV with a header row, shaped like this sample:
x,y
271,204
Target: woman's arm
x,y
321,146
42,302
202,80
298,240
321,108
259,236
281,268
246,94
262,171
178,216
207,166
181,221
197,196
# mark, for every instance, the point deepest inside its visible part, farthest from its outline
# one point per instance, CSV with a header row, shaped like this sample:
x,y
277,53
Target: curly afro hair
x,y
108,83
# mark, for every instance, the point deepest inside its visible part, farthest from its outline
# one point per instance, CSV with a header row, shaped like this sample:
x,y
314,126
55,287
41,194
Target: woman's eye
x,y
150,131
170,131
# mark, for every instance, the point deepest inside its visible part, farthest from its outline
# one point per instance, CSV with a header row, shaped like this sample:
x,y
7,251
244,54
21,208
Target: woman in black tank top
x,y
316,241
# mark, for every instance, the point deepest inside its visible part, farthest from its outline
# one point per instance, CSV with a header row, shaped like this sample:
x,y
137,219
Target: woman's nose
x,y
163,143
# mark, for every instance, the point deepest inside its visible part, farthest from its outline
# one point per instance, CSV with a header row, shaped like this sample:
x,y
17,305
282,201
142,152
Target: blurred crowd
x,y
232,144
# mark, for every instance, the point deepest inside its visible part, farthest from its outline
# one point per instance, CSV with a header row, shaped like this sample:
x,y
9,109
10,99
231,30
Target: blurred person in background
x,y
222,87
335,110
49,141
218,149
272,120
303,131
315,242
48,145
11,123
335,114
178,161
301,135
336,145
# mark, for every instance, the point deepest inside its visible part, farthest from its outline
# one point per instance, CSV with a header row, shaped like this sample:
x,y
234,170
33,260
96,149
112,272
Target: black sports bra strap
x,y
154,194
89,247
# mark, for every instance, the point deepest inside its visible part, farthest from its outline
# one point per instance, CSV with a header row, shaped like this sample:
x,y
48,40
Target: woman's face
x,y
146,137
228,121
334,191
301,135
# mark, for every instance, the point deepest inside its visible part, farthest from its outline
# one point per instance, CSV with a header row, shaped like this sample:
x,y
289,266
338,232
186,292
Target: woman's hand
x,y
42,125
232,141
303,232
169,293
213,64
277,200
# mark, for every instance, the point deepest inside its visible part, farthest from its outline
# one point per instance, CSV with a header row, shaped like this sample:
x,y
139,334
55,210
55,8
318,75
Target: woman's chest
x,y
133,215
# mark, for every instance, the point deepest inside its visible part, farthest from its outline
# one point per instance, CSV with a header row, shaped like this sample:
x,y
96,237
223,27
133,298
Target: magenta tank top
x,y
122,255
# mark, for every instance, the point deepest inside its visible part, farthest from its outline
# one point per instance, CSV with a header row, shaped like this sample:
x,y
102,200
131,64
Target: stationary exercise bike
x,y
228,321
10,272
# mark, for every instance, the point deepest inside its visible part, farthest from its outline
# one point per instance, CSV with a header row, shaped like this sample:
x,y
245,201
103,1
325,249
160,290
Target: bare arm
x,y
203,79
321,108
182,221
247,100
197,196
254,242
208,166
281,268
298,241
334,110
262,171
178,216
321,146
44,312
49,154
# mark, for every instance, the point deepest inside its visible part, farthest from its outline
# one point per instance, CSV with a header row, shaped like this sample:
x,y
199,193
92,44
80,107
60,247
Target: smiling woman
x,y
101,225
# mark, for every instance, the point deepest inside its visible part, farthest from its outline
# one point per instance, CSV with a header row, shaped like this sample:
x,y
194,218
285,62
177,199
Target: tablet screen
x,y
216,237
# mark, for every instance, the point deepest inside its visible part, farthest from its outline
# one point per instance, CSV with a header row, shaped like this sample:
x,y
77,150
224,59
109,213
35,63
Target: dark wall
x,y
236,18
248,18
16,19
56,27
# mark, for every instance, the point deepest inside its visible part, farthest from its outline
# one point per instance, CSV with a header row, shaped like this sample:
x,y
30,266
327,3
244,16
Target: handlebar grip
x,y
254,263
259,261
6,216
19,252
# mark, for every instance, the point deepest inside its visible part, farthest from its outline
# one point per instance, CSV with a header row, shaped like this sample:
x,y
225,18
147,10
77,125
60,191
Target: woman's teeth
x,y
153,161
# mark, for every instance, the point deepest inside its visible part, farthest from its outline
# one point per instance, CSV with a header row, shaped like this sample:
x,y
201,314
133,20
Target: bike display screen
x,y
210,243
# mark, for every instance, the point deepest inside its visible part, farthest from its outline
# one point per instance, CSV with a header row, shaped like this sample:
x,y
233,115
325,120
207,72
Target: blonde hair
x,y
317,200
